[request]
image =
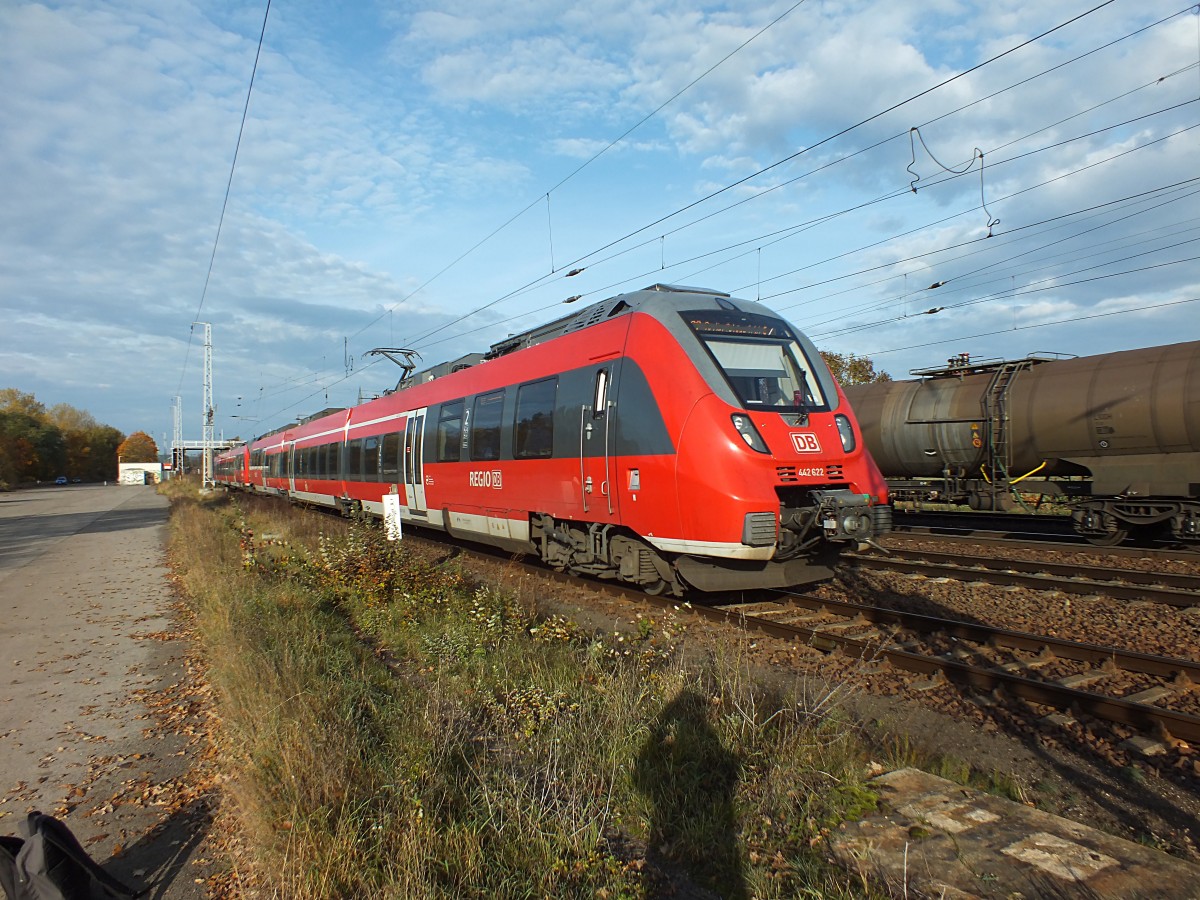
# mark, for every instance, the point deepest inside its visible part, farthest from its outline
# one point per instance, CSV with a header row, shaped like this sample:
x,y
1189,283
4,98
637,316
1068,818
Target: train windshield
x,y
761,359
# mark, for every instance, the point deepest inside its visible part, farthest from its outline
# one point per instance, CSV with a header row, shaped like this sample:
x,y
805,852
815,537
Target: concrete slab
x,y
934,838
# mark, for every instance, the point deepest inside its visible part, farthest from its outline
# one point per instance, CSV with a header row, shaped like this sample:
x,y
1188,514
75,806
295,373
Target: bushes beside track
x,y
392,729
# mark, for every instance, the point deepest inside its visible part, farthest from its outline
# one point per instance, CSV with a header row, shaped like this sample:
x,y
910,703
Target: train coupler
x,y
845,515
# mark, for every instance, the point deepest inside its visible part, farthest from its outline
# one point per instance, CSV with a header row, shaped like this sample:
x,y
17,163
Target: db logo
x,y
805,442
486,479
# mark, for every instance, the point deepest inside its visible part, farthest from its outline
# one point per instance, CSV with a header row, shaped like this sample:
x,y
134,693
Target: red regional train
x,y
670,437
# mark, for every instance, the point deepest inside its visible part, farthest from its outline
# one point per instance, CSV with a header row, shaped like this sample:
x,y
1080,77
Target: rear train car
x,y
1117,436
671,438
231,467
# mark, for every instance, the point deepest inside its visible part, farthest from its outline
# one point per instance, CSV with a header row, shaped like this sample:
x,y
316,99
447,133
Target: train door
x,y
414,464
289,460
597,451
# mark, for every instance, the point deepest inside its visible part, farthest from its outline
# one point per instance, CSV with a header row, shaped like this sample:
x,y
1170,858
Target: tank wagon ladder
x,y
995,413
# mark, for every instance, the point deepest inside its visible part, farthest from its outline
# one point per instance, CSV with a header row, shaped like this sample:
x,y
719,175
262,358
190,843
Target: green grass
x,y
899,752
392,729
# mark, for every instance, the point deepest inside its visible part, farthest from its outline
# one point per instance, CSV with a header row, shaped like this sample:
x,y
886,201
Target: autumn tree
x,y
15,401
39,444
31,449
28,448
138,447
99,456
91,447
850,368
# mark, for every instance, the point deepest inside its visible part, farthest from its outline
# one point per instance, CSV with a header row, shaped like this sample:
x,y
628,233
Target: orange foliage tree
x,y
138,447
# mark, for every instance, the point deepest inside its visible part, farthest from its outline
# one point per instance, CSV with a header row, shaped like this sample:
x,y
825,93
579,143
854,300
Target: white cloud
x,y
378,152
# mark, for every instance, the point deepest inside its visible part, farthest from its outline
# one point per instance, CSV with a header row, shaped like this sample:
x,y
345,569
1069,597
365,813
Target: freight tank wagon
x,y
1116,435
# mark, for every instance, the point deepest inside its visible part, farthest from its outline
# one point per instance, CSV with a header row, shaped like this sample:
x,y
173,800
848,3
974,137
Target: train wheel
x,y
1099,527
1110,538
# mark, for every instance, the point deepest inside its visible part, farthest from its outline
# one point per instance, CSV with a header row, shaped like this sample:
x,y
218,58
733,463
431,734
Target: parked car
x,y
61,479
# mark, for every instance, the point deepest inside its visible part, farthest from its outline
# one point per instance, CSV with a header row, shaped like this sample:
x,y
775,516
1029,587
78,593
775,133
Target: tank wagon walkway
x,y
92,659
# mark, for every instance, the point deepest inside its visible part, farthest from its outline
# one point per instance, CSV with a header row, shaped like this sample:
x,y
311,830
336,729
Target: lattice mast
x,y
206,466
177,437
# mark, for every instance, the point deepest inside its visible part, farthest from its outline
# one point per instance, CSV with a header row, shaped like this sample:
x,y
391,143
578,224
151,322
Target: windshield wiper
x,y
800,398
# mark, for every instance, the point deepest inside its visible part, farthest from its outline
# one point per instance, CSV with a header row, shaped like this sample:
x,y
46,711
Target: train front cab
x,y
771,471
647,464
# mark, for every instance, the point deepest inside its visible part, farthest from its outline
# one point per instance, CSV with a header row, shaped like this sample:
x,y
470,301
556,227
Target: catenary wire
x,y
578,261
587,163
225,203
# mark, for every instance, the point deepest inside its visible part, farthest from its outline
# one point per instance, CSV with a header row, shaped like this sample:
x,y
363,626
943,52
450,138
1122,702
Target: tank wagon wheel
x,y
1110,539
1099,527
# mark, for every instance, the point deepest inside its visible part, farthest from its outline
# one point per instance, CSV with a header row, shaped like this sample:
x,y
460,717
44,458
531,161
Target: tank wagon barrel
x,y
1116,435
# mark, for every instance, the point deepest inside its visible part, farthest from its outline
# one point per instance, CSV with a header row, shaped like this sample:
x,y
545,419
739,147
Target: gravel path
x,y
99,700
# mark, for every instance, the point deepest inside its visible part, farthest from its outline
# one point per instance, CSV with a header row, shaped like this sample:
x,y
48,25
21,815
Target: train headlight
x,y
845,432
749,434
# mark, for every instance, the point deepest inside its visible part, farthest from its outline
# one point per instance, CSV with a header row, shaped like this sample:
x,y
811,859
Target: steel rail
x,y
1141,716
973,570
1129,660
913,534
1100,574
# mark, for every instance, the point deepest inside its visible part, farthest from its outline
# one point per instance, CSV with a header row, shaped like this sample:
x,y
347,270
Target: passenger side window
x,y
370,459
600,400
449,432
389,466
485,426
533,431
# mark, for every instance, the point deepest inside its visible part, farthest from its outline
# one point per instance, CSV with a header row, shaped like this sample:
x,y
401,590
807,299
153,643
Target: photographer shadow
x,y
690,779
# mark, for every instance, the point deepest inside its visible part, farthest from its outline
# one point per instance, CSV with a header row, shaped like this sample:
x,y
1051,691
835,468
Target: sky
x,y
428,175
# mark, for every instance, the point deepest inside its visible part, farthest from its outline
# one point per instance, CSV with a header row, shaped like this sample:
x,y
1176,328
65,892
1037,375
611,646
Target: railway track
x,y
1122,687
909,536
1071,578
1021,530
1039,669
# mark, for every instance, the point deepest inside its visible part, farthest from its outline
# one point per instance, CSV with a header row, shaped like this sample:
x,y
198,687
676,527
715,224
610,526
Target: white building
x,y
139,473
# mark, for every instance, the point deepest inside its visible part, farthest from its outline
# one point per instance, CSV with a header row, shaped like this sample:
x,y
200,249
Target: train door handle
x,y
604,488
587,485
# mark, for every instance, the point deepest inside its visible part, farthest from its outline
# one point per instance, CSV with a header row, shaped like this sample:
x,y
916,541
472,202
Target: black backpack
x,y
48,863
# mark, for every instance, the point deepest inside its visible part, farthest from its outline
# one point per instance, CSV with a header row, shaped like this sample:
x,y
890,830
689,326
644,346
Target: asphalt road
x,y
92,662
